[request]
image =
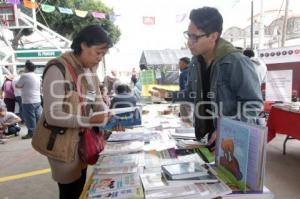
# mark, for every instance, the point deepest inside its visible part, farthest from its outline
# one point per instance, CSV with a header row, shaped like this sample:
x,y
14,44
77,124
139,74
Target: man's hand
x,y
160,92
212,140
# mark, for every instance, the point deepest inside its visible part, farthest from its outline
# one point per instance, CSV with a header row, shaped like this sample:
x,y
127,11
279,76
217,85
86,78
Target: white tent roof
x,y
163,57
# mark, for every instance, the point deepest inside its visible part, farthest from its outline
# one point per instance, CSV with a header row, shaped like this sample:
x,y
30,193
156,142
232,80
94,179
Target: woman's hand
x,y
118,127
100,118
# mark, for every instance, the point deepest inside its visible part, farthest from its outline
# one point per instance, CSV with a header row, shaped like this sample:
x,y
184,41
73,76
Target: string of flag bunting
x,y
147,20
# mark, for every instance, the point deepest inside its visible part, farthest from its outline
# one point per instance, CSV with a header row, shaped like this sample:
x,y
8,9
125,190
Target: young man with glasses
x,y
221,81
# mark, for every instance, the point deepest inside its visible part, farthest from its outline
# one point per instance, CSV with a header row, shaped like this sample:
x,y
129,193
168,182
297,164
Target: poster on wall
x,y
279,85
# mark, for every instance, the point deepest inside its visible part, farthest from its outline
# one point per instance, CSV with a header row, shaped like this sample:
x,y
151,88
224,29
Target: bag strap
x,y
54,129
77,83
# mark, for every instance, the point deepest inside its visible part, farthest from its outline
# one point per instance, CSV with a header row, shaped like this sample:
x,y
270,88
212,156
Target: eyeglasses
x,y
192,37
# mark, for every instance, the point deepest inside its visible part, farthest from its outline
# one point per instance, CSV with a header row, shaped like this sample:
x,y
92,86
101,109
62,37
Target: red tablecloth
x,y
284,122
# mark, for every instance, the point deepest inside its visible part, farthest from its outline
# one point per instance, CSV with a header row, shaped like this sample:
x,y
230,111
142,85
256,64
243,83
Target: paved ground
x,y
24,174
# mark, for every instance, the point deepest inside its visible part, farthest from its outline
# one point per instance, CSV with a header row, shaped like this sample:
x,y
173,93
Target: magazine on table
x,y
106,183
153,181
128,193
115,170
109,161
112,148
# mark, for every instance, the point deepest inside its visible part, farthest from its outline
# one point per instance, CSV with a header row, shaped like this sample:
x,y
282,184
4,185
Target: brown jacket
x,y
65,146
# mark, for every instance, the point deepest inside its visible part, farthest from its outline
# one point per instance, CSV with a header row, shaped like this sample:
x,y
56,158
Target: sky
x,y
167,33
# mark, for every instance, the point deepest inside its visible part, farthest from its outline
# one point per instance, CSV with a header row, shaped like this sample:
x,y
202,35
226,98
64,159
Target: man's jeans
x,y
31,113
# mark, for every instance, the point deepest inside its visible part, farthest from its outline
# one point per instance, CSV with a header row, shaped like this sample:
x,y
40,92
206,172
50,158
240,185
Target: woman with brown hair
x,y
63,96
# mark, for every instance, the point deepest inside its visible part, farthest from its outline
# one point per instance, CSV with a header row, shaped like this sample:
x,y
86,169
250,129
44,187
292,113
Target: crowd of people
x,y
219,81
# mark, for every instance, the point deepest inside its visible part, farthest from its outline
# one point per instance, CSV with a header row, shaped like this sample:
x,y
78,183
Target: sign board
x,y
279,85
41,54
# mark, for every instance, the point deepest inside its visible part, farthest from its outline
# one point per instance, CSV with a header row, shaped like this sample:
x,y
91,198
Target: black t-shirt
x,y
206,125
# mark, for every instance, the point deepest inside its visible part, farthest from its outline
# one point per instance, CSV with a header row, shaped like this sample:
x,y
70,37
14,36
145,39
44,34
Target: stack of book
x,y
155,187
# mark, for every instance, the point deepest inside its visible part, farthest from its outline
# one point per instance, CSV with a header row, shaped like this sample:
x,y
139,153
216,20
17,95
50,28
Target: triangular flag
x,y
180,17
149,20
13,2
47,8
29,4
65,10
99,15
81,13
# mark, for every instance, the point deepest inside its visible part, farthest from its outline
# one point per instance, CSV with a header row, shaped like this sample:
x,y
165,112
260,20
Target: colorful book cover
x,y
106,183
232,150
125,120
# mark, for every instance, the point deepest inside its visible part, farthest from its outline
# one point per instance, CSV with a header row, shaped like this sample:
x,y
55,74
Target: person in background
x,y
137,86
62,109
3,72
8,93
260,66
222,82
110,82
183,67
185,108
17,92
104,94
30,86
8,123
123,97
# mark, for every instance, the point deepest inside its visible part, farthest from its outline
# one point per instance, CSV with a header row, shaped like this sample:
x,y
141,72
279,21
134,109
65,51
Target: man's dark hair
x,y
185,60
123,88
207,19
91,35
249,53
30,66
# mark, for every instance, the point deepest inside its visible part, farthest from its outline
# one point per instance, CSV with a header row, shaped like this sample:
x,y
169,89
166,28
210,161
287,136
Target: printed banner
x,y
13,2
99,15
65,10
149,20
81,13
30,5
47,8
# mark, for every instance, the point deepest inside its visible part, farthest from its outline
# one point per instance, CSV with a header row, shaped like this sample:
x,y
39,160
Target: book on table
x,y
208,178
241,154
184,170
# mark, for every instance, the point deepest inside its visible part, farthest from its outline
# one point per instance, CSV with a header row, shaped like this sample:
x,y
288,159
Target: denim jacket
x,y
234,86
